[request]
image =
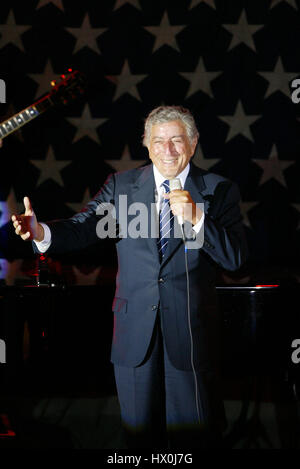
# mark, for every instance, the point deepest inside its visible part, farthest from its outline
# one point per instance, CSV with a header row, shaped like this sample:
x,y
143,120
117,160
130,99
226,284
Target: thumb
x,y
28,207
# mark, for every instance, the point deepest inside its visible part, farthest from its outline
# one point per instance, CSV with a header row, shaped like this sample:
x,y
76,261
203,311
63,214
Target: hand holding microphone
x,y
182,204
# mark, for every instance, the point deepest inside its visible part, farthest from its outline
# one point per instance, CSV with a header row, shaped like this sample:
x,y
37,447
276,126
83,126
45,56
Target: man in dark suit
x,y
166,326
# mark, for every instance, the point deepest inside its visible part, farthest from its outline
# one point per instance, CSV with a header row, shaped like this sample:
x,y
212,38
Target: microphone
x,y
176,184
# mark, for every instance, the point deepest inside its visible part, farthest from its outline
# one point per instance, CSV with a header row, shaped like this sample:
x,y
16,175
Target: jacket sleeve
x,y
224,237
80,230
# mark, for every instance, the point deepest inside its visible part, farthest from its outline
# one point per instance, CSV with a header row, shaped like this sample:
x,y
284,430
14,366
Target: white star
x,y
125,162
279,79
44,79
86,278
50,168
245,208
273,167
12,32
10,206
242,32
290,2
57,3
200,161
126,82
200,79
120,3
86,35
165,33
239,123
86,125
77,206
211,3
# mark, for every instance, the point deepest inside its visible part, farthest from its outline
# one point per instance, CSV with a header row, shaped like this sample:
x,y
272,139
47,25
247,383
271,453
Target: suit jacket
x,y
145,286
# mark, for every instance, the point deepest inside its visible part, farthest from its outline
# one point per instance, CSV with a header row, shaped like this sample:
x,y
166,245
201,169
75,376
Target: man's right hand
x,y
26,225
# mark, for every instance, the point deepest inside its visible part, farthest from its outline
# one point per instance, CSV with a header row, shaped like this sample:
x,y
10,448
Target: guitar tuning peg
x,y
53,83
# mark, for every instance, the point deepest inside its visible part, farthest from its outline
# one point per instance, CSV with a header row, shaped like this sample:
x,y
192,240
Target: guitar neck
x,y
27,115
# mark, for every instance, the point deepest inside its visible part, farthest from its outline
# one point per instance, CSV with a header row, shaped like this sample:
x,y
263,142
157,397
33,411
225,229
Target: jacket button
x,y
161,280
154,307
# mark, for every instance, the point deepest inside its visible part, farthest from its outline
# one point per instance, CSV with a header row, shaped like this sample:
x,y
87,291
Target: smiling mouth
x,y
169,162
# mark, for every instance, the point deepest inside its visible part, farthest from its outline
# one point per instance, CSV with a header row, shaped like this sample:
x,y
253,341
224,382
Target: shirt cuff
x,y
45,244
196,228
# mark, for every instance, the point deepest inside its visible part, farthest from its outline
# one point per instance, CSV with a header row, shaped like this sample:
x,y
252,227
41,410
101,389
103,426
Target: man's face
x,y
169,148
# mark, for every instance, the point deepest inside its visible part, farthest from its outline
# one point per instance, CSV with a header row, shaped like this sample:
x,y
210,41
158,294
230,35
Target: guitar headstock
x,y
69,87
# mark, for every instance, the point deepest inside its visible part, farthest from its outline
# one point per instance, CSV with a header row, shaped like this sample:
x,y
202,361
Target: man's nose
x,y
170,148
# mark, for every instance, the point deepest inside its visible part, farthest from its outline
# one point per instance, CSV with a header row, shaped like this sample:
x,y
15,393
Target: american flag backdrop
x,y
231,62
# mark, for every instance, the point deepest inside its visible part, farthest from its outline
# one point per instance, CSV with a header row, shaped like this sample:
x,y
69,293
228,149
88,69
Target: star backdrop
x,y
229,61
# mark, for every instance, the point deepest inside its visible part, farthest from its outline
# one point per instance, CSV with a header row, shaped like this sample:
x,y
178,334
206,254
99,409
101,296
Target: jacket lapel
x,y
143,191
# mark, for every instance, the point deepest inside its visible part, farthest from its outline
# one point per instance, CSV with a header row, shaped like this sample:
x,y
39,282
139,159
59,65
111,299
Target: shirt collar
x,y
159,178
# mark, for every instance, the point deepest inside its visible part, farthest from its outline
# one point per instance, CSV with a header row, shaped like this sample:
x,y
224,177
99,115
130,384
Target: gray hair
x,y
163,114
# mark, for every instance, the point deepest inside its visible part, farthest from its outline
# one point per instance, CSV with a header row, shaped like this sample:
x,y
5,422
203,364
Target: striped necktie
x,y
166,218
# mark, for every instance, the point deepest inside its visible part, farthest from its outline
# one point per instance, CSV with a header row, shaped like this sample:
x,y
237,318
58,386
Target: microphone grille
x,y
175,184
